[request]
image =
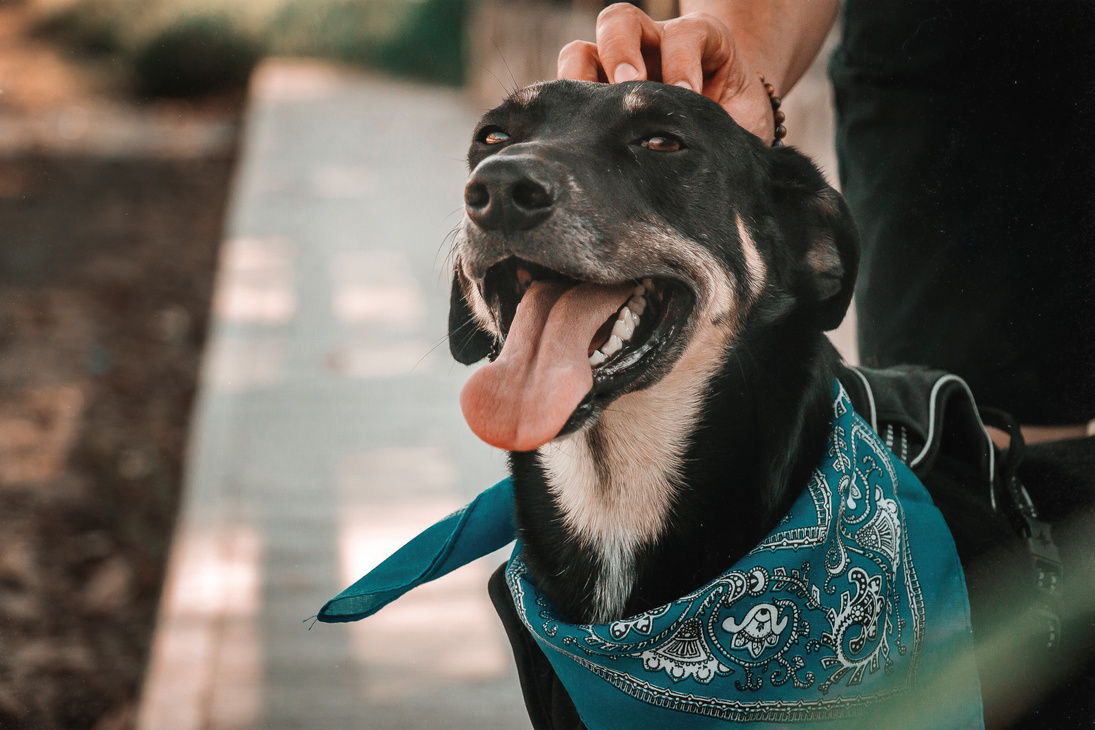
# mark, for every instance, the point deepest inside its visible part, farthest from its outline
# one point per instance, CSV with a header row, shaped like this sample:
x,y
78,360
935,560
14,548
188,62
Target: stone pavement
x,y
328,430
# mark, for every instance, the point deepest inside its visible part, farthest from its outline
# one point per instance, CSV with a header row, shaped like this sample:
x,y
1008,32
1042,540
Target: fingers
x,y
692,47
578,60
622,32
699,52
695,51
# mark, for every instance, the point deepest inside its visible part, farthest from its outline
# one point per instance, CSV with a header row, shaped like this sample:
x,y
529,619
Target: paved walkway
x,y
328,430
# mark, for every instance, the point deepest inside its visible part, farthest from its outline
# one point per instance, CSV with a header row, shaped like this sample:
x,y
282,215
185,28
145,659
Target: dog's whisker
x,y
469,323
504,88
430,351
446,264
502,56
741,368
438,342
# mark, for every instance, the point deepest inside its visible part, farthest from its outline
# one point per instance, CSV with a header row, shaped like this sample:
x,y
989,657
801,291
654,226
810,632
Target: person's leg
x,y
975,215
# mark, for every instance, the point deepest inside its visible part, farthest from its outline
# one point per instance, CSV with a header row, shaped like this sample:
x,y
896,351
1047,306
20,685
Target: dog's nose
x,y
510,194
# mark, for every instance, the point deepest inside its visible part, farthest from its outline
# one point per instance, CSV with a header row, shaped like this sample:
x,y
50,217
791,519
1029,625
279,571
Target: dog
x,y
739,258
652,285
717,520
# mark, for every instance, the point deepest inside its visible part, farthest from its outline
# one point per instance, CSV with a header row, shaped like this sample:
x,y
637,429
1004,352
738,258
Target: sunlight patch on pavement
x,y
344,181
255,281
376,287
395,472
220,573
206,665
438,633
235,364
442,631
383,361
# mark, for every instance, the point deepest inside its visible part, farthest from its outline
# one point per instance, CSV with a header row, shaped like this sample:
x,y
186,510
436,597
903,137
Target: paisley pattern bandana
x,y
853,609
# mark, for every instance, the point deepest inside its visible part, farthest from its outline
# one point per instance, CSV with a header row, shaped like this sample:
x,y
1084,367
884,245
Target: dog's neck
x,y
618,518
616,483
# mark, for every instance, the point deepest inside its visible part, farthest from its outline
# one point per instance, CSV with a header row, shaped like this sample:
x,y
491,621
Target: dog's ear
x,y
819,229
468,342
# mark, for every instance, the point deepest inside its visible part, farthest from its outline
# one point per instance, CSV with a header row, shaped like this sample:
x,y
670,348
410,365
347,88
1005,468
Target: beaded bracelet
x,y
781,131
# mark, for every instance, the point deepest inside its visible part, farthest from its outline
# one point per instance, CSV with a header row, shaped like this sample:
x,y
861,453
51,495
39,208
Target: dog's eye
x,y
662,143
493,136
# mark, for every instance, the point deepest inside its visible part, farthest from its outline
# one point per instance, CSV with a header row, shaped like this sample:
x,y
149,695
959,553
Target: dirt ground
x,y
111,211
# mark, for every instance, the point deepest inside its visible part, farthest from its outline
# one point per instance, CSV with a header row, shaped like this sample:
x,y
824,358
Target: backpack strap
x,y
929,419
1029,524
922,413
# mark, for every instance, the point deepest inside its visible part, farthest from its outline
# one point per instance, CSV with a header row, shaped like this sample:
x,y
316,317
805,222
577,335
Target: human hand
x,y
696,51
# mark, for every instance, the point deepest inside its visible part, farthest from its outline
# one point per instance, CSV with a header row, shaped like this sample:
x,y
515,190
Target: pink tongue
x,y
523,399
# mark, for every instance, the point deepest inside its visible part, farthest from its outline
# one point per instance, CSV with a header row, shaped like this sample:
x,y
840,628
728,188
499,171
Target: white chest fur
x,y
616,484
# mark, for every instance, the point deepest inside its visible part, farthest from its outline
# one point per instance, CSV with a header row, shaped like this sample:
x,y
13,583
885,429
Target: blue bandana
x,y
854,606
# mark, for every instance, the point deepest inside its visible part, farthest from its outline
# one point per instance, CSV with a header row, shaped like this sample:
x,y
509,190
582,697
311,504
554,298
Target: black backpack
x,y
1031,599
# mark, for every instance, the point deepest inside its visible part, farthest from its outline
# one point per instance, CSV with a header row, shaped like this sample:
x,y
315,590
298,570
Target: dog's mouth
x,y
570,346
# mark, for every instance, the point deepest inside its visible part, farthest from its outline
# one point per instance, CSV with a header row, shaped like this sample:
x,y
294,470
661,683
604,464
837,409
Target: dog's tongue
x,y
523,399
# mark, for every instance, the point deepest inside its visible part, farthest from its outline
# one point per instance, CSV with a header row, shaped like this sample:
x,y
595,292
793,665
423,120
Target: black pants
x,y
966,141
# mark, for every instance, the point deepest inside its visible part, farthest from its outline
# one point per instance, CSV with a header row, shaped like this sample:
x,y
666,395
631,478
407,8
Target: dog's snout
x,y
510,193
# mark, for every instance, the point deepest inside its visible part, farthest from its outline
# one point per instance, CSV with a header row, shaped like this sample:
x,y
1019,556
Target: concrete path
x,y
328,430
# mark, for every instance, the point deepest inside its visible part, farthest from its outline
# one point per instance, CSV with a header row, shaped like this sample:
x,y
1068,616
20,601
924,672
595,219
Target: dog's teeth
x,y
597,358
623,327
637,305
612,346
648,283
639,290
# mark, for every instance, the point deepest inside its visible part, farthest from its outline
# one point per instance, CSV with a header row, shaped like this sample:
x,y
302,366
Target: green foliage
x,y
345,30
431,44
195,55
89,27
190,47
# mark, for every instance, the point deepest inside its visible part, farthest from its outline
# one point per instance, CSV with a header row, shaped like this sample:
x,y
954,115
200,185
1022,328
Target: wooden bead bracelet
x,y
781,131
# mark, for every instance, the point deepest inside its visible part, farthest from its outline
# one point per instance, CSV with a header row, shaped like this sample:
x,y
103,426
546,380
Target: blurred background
x,y
225,391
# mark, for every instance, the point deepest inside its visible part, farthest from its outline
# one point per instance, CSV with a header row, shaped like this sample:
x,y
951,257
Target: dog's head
x,y
635,208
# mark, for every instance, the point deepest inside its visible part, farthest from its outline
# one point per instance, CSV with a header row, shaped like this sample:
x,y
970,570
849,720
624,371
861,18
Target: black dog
x,y
749,256
665,387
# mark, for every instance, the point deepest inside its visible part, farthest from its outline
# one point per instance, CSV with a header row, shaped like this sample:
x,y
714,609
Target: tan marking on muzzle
x,y
717,299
